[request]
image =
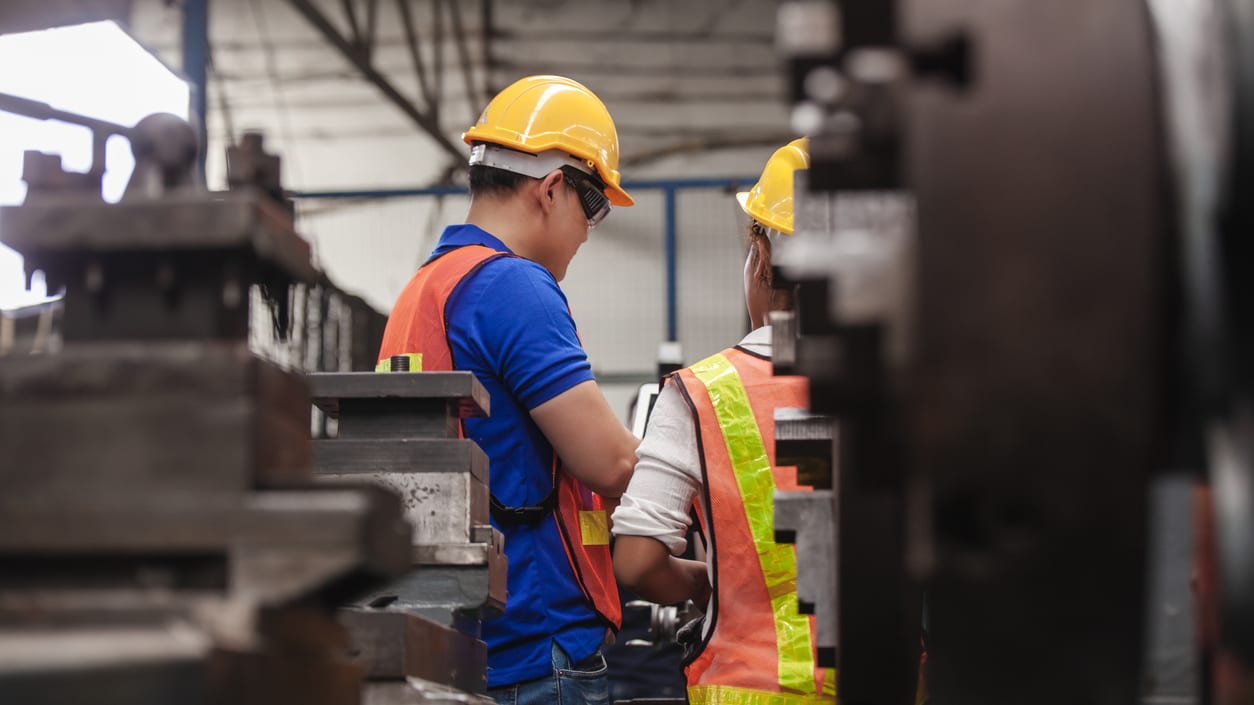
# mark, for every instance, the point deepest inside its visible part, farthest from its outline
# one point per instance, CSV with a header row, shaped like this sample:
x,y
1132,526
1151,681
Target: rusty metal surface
x,y
300,657
1037,381
807,442
277,545
179,266
401,455
442,655
447,510
176,416
458,388
861,245
150,484
394,645
70,223
808,520
399,430
118,666
448,594
847,320
1080,322
385,419
498,572
376,640
783,342
161,680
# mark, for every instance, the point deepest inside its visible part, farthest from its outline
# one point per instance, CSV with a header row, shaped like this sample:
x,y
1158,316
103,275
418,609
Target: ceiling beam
x,y
361,60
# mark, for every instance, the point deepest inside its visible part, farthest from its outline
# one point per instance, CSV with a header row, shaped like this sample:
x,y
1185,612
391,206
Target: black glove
x,y
689,637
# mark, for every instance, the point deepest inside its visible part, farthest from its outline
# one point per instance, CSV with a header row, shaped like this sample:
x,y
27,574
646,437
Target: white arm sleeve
x,y
667,475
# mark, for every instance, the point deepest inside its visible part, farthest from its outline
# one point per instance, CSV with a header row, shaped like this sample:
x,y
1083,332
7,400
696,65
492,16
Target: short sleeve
x,y
523,330
667,475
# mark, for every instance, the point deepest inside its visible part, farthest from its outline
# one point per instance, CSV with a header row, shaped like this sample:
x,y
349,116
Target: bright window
x,y
93,69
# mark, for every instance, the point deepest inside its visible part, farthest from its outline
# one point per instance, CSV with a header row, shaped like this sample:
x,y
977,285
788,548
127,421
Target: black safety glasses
x,y
591,192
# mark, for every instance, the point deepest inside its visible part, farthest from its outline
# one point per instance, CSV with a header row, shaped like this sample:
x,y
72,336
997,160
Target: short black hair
x,y
491,181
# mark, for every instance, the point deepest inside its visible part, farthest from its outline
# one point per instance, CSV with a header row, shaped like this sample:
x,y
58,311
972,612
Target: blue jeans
x,y
584,683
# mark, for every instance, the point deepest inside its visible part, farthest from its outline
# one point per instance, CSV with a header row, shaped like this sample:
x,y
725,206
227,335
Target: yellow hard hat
x,y
538,113
770,200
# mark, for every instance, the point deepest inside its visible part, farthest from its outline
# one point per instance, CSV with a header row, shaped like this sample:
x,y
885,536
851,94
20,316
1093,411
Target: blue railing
x,y
668,187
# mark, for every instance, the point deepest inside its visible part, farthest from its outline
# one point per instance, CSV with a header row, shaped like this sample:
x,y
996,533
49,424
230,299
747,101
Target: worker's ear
x,y
761,260
548,191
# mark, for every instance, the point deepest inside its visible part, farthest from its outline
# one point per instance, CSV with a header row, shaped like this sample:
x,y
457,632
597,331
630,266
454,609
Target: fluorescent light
x,y
96,70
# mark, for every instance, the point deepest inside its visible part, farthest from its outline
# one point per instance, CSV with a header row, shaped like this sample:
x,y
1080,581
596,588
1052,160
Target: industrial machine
x,y
1022,262
1022,265
400,430
160,533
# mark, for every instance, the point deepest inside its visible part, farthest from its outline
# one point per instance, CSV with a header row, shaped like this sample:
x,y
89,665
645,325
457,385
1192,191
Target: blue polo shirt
x,y
510,324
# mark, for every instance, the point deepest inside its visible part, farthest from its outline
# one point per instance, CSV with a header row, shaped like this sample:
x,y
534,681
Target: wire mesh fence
x,y
617,286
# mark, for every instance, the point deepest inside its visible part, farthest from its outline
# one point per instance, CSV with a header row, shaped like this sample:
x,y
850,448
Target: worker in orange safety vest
x,y
711,439
543,172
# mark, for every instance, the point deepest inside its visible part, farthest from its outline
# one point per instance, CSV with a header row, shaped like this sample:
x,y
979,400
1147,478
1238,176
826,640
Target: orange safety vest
x,y
419,324
759,650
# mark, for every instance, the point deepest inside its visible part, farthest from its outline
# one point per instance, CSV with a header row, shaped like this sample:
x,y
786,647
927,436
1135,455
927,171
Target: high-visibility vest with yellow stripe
x,y
418,327
759,650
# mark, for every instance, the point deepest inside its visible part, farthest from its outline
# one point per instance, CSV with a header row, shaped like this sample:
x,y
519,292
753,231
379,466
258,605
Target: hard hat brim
x,y
768,221
618,196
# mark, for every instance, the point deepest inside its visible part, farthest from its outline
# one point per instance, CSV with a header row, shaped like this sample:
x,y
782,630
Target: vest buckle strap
x,y
508,517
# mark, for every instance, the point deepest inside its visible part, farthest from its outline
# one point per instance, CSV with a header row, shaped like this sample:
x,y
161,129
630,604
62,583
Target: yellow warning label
x,y
594,526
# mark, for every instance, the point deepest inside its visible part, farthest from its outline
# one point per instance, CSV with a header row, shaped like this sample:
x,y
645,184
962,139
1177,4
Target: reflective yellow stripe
x,y
728,695
752,469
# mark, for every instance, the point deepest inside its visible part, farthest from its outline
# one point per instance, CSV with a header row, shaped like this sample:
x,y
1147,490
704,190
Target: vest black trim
x,y
750,353
577,569
506,517
711,553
